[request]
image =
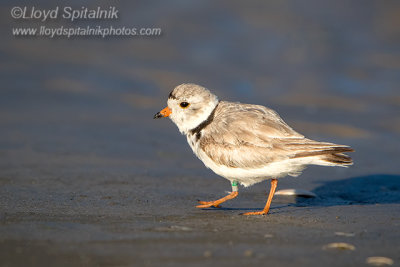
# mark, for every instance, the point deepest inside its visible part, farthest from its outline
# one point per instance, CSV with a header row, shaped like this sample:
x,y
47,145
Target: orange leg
x,y
207,204
274,184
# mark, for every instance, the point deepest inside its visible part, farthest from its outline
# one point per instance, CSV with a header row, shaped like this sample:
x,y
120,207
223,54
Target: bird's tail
x,y
333,156
339,158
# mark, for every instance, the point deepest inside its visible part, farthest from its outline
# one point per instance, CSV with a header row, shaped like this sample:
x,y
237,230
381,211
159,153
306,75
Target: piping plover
x,y
245,143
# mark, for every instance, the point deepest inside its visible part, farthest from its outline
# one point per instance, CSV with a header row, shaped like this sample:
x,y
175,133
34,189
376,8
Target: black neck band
x,y
202,125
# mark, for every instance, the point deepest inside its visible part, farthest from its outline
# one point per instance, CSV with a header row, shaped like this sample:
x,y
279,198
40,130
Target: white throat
x,y
187,123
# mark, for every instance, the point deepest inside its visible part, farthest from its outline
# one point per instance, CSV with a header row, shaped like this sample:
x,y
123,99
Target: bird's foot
x,y
208,204
255,213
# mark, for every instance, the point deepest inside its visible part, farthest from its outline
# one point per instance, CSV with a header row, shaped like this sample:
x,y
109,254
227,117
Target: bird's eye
x,y
184,104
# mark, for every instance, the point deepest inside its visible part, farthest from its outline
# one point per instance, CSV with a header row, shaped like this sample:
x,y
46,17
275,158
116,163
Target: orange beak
x,y
163,113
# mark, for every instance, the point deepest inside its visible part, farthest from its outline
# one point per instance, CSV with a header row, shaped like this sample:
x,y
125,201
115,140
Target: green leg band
x,y
234,186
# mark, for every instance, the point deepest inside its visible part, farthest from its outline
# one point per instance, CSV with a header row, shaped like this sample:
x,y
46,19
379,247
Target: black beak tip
x,y
158,115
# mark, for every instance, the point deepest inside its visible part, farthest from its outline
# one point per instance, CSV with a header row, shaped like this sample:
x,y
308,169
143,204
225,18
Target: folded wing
x,y
252,136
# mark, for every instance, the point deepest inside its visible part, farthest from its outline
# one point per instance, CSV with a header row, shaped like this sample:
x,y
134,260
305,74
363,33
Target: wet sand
x,y
88,178
117,220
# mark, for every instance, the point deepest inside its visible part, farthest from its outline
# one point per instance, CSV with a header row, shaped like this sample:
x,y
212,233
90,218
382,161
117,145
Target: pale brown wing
x,y
251,136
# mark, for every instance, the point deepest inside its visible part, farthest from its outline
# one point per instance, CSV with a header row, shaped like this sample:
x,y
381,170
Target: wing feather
x,y
252,136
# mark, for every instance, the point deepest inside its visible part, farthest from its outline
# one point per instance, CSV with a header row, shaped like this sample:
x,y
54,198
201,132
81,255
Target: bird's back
x,y
250,137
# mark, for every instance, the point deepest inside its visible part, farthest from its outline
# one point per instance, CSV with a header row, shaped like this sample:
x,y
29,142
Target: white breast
x,y
193,142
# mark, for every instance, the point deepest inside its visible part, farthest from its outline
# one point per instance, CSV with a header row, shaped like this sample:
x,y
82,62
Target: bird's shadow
x,y
361,190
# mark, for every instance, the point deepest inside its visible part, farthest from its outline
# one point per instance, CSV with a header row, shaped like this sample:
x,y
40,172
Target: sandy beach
x,y
88,178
